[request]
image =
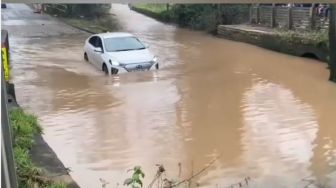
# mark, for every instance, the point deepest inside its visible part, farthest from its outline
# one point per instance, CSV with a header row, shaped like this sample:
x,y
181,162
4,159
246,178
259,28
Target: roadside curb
x,y
44,157
77,27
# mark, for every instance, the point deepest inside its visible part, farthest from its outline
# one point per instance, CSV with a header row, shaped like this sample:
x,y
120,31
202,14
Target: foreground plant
x,y
135,180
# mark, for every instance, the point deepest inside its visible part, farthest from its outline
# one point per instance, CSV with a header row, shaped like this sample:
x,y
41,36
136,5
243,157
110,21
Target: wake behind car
x,y
115,53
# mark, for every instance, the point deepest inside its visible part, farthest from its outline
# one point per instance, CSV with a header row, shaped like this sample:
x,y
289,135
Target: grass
x,y
101,25
24,127
155,8
316,38
157,11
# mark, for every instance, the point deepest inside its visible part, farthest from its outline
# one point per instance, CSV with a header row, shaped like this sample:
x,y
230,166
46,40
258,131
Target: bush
x,y
196,16
208,16
157,11
77,10
318,39
89,10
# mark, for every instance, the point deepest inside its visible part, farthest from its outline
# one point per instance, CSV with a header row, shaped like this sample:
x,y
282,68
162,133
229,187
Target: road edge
x,y
45,158
76,27
41,153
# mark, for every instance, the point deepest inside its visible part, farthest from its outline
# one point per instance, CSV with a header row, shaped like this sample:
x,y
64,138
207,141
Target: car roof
x,y
114,35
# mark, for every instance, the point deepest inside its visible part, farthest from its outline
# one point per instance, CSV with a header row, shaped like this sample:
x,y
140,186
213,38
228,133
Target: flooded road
x,y
264,115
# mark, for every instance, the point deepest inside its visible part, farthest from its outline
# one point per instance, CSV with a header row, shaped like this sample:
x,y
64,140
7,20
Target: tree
x,y
332,42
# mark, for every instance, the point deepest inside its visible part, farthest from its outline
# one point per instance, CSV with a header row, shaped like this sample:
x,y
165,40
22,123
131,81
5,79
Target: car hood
x,y
132,56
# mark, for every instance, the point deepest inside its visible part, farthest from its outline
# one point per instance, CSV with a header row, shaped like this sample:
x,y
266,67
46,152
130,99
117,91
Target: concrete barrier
x,y
272,41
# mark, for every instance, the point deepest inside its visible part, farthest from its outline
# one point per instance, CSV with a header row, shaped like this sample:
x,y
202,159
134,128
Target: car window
x,y
99,42
92,40
122,44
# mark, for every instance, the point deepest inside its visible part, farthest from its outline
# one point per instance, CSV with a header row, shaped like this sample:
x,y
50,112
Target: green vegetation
x,y
155,8
158,11
135,180
160,179
94,18
208,16
196,16
332,43
103,24
318,39
24,127
78,10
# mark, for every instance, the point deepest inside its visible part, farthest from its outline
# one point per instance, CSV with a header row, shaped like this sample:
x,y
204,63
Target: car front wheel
x,y
86,57
105,69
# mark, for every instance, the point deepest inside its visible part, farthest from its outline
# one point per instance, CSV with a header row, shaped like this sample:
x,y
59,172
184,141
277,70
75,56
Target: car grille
x,y
138,66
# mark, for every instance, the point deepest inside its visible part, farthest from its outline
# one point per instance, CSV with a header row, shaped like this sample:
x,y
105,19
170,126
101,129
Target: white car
x,y
116,53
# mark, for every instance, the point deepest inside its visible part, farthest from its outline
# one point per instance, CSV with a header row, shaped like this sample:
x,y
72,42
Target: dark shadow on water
x,y
310,55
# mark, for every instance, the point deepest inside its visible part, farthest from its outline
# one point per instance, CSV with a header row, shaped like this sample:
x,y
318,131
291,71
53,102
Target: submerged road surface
x,y
268,116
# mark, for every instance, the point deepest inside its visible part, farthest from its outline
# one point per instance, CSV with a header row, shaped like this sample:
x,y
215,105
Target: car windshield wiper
x,y
123,50
129,49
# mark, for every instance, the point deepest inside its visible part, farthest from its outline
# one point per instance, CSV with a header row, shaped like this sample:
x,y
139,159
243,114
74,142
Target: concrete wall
x,y
272,41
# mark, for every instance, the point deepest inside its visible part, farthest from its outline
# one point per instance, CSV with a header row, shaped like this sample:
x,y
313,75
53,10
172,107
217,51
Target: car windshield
x,y
122,44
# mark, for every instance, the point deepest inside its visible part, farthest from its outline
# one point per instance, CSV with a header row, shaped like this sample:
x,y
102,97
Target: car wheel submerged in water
x,y
86,57
105,70
116,53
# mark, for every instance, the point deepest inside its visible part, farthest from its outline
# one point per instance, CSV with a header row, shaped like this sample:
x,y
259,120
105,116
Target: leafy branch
x,y
135,180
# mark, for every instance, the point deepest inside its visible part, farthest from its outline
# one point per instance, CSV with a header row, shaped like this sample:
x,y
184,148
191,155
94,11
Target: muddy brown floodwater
x,y
269,116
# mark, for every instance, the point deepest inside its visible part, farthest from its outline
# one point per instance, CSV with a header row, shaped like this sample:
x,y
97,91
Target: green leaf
x,y
135,177
137,169
135,186
139,182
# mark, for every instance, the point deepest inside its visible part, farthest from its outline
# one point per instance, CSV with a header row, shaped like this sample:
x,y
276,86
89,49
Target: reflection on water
x,y
270,116
278,135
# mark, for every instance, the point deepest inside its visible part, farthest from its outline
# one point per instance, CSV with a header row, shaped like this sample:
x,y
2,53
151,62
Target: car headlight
x,y
115,63
155,59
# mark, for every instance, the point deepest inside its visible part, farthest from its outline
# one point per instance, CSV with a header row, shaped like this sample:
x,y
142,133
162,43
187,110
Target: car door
x,y
90,49
98,55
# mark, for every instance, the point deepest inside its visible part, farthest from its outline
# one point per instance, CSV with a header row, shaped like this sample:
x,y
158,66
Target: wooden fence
x,y
293,18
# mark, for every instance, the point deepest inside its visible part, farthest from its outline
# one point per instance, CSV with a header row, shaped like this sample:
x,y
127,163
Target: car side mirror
x,y
146,45
98,49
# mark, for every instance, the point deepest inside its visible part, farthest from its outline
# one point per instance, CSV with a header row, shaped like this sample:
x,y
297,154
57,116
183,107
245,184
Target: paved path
x,y
21,21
